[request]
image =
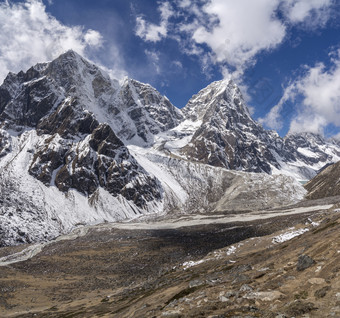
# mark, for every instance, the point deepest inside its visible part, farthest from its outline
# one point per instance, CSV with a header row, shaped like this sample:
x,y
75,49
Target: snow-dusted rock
x,y
218,130
60,165
77,147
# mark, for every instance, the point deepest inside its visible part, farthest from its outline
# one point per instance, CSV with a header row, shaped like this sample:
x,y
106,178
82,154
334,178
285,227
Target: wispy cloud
x,y
153,32
313,13
154,60
274,118
93,38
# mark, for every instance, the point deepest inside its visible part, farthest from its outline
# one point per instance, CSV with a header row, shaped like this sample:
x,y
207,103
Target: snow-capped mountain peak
x,y
220,94
218,130
70,136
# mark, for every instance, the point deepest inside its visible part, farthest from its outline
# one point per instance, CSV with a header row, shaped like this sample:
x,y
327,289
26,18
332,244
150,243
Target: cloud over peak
x,y
238,34
30,35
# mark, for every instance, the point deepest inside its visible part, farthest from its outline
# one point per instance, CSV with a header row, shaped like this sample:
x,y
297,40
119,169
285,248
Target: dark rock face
x,y
104,161
68,120
75,151
34,102
5,97
150,113
228,137
5,144
48,158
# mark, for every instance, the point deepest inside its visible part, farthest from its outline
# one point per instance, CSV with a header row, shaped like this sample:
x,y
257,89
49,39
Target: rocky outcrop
x,y
143,113
74,151
49,132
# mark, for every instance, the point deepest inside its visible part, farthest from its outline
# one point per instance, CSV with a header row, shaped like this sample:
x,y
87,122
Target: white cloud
x,y
320,88
318,93
307,122
30,35
273,119
153,32
177,64
239,30
115,60
244,28
234,32
184,3
93,38
150,32
337,137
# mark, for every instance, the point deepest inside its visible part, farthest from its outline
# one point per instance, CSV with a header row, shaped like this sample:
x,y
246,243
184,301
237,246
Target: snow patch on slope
x,y
34,212
194,187
287,236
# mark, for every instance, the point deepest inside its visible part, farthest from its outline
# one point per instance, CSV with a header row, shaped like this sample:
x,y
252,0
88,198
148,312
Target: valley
x,y
134,269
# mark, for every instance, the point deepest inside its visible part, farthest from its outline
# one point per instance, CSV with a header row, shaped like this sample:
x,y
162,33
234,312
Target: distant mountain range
x,y
77,147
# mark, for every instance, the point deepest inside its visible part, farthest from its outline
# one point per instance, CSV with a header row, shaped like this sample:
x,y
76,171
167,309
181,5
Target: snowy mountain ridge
x,y
77,147
218,130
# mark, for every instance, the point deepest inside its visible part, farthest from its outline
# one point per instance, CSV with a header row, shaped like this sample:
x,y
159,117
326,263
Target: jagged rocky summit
x,y
77,147
218,130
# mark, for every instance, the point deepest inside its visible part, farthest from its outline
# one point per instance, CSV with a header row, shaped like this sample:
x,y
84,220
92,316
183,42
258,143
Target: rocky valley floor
x,y
282,263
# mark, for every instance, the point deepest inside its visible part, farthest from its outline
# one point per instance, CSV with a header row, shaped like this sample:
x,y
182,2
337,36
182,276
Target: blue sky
x,y
284,54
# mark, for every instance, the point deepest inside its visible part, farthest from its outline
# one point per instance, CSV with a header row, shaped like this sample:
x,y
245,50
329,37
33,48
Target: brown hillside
x,y
116,273
325,184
